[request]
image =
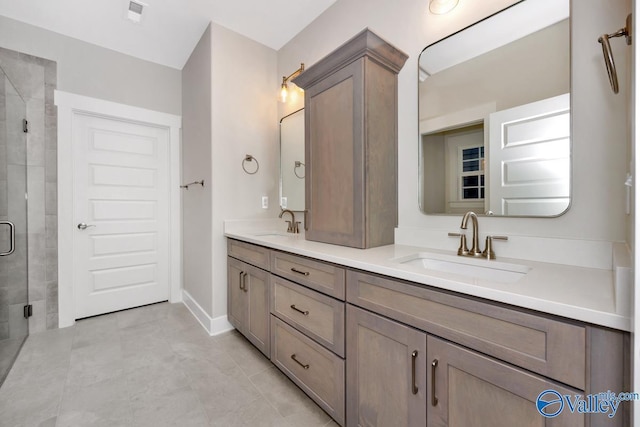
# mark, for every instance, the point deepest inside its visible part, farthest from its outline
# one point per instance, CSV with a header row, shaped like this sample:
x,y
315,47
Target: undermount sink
x,y
476,268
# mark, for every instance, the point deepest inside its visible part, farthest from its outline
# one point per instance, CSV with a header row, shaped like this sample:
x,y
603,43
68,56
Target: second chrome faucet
x,y
475,246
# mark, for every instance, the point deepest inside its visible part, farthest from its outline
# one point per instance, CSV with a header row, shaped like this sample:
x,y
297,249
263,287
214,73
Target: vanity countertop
x,y
585,294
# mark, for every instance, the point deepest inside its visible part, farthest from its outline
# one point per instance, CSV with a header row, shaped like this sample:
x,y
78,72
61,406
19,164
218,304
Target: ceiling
x,y
169,29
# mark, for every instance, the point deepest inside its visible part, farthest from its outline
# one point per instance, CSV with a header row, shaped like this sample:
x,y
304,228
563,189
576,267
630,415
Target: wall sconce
x,y
284,90
440,7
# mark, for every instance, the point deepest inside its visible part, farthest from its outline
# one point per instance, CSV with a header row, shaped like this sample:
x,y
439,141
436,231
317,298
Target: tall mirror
x,y
292,167
494,114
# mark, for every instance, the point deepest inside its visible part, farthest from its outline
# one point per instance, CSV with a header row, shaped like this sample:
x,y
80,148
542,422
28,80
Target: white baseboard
x,y
213,326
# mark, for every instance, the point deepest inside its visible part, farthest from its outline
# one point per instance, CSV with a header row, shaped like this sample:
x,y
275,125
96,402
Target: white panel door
x,y
121,194
529,158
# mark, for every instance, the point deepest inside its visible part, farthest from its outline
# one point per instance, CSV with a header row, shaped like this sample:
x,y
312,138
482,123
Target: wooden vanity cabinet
x,y
369,360
476,363
351,143
248,293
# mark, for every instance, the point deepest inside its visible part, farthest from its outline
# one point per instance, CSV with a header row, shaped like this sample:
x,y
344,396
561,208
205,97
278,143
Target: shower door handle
x,y
12,238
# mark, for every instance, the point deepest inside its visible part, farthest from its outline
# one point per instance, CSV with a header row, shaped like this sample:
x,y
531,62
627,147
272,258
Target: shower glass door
x,y
14,327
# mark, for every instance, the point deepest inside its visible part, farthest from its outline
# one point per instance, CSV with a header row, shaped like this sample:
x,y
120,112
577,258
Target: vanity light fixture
x,y
440,7
284,89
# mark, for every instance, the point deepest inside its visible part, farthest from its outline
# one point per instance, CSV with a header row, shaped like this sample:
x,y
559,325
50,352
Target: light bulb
x,y
283,92
440,7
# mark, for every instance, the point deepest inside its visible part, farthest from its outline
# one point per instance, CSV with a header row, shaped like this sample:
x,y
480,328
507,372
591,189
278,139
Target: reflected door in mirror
x,y
482,145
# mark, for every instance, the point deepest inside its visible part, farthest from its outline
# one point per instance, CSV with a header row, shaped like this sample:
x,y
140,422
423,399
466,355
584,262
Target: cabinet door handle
x,y
241,282
434,399
244,282
306,222
305,312
293,356
304,273
414,357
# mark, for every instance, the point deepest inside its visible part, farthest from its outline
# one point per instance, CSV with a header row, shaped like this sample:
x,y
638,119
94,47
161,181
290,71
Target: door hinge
x,y
28,311
25,126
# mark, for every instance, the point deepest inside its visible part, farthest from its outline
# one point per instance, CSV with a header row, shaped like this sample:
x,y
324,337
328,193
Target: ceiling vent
x,y
134,13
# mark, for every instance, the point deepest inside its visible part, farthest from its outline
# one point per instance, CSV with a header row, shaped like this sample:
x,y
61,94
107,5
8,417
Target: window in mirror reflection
x,y
494,111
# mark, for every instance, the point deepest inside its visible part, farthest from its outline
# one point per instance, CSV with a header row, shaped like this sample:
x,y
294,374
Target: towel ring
x,y
298,163
250,158
608,55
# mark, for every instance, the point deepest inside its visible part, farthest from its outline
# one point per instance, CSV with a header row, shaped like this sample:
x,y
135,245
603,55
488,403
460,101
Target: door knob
x,y
83,226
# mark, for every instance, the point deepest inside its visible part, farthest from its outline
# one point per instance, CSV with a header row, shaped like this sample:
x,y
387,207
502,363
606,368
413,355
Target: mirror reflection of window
x,y
511,61
292,170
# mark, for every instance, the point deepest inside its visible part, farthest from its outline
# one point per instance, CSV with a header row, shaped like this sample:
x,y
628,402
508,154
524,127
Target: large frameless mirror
x,y
494,115
292,167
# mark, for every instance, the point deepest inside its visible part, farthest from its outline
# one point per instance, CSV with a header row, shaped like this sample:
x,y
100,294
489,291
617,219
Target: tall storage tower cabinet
x,y
351,140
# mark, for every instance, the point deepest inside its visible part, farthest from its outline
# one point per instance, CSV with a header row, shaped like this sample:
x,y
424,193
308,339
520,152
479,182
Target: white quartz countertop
x,y
585,294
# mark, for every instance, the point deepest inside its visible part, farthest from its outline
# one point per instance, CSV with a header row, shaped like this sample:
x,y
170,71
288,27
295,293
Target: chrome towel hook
x,y
608,55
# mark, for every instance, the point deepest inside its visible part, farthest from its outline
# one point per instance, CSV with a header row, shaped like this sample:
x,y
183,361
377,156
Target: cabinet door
x,y
236,300
334,158
470,389
248,302
257,327
386,375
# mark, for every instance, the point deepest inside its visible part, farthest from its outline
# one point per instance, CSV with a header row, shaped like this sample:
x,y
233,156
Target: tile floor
x,y
149,366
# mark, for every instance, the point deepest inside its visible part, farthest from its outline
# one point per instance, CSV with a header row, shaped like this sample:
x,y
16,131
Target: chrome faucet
x,y
475,247
293,225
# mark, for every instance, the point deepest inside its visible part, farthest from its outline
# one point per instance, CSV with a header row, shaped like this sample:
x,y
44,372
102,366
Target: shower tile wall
x,y
35,78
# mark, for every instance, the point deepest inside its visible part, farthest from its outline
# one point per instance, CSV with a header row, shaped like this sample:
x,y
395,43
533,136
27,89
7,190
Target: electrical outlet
x,y
283,202
265,202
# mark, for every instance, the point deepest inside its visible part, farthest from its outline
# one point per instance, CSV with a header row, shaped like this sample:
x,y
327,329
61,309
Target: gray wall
x,y
90,70
230,110
196,165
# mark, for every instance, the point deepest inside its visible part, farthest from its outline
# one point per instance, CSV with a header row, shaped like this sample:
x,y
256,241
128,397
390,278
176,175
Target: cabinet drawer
x,y
547,346
313,368
252,254
323,277
316,315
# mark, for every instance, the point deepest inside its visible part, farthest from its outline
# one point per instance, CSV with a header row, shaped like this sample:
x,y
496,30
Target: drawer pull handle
x,y
414,387
304,273
240,281
434,399
305,312
293,356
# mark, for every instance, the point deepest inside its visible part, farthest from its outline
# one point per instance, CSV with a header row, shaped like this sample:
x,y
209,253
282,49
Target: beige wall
x,y
244,121
599,120
90,70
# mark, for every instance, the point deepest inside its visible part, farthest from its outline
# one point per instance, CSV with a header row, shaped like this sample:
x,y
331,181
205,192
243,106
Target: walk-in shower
x,y
14,326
